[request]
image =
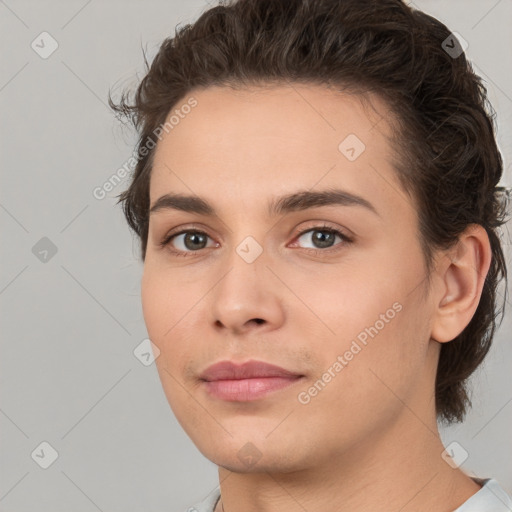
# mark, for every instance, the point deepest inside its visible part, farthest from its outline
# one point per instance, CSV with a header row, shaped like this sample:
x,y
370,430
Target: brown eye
x,y
321,238
187,241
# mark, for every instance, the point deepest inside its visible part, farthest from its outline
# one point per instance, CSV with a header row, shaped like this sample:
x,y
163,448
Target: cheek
x,y
153,304
165,307
171,310
372,315
345,303
362,385
162,308
165,301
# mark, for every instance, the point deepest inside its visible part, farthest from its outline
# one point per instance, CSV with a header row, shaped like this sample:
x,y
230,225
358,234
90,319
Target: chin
x,y
257,456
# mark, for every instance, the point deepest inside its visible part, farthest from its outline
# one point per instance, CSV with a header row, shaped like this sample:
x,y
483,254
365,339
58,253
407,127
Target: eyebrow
x,y
301,200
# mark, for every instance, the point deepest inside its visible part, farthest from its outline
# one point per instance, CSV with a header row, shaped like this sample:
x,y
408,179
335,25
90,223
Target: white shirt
x,y
490,498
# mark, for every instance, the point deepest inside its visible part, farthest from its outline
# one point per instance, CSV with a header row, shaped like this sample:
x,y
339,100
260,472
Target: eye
x,y
187,241
322,237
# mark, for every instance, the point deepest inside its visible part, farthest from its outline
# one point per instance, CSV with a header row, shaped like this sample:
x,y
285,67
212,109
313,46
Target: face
x,y
267,267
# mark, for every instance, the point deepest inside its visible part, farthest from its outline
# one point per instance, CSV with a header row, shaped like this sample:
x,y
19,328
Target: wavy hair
x,y
446,154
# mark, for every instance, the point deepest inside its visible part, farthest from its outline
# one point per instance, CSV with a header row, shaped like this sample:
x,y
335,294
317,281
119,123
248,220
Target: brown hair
x,y
447,158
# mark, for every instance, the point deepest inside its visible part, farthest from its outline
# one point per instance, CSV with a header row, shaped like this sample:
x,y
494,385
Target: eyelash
x,y
346,240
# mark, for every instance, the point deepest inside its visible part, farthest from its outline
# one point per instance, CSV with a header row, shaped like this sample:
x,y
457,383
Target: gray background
x,y
71,320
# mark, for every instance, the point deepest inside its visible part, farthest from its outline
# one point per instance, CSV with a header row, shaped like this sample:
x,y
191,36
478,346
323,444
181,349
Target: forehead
x,y
295,113
275,139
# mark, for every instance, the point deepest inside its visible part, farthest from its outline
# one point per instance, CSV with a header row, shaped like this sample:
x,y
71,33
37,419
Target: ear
x,y
460,279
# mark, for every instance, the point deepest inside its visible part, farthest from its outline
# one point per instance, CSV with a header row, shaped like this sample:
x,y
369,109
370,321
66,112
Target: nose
x,y
247,297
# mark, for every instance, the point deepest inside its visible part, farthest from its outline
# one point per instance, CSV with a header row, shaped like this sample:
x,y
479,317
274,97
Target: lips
x,y
226,370
250,381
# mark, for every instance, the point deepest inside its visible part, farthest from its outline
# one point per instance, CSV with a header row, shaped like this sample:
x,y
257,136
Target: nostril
x,y
259,320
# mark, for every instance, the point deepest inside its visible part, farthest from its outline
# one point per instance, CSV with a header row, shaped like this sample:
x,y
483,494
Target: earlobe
x,y
461,277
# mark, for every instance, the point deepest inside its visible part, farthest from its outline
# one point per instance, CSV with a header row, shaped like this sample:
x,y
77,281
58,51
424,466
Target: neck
x,y
401,470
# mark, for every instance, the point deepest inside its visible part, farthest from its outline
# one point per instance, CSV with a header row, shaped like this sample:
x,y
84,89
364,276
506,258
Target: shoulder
x,y
490,498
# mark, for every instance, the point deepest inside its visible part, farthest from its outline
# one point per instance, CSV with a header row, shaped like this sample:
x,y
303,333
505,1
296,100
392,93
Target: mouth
x,y
250,381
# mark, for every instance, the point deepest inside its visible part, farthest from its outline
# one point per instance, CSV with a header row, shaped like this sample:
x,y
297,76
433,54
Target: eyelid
x,y
186,228
321,225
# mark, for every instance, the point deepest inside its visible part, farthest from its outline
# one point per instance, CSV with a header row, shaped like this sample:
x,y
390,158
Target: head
x,y
262,112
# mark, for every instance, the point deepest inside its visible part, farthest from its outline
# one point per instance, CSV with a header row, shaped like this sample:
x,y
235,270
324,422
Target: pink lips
x,y
249,381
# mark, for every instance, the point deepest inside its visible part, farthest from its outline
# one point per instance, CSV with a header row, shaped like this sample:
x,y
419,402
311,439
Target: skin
x,y
369,438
